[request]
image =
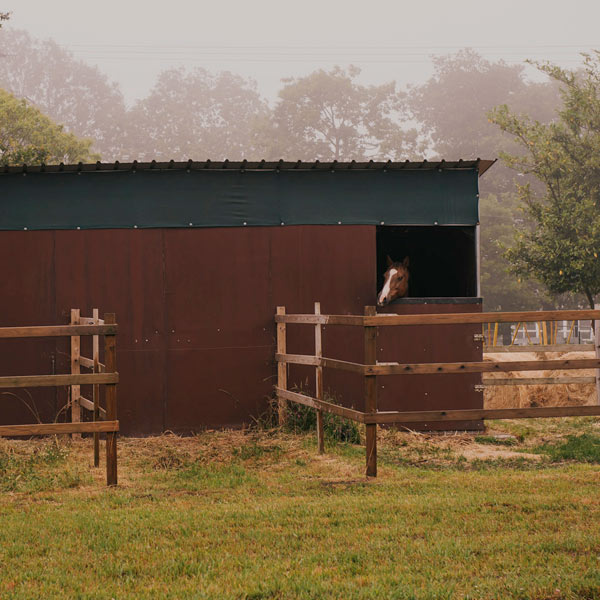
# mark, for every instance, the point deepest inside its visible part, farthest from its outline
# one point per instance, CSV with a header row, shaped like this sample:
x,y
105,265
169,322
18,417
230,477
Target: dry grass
x,y
525,396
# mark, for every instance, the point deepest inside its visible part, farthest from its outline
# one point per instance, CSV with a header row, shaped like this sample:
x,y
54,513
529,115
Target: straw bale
x,y
523,396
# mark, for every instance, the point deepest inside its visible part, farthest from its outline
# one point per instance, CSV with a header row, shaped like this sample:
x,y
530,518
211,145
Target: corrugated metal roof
x,y
478,164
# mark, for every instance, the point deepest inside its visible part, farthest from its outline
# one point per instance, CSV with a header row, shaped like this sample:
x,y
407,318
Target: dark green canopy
x,y
240,194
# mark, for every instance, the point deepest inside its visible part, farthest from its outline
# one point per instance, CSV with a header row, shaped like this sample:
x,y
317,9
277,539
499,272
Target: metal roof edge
x,y
478,164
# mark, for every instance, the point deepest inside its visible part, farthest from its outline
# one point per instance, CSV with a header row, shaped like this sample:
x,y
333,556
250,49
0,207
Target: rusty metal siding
x,y
222,287
27,298
121,271
435,343
195,309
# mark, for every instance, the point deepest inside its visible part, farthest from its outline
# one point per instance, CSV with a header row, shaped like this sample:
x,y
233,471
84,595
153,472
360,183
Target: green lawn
x,y
261,515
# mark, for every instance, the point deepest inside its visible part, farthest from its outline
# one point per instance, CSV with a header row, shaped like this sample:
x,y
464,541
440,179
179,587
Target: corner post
x,y
75,370
281,367
371,392
110,361
597,348
319,380
96,387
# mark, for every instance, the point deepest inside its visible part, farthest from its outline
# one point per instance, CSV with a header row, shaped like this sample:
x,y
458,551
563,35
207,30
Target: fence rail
x,y
104,420
371,369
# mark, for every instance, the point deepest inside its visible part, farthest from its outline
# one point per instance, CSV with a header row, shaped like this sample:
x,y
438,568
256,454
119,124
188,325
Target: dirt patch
x,y
444,449
485,452
524,396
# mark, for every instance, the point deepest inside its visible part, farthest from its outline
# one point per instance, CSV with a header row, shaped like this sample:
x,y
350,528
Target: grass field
x,y
260,515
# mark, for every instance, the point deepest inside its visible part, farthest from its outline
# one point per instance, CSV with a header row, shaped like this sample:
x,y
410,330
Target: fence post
x,y
110,361
75,370
96,387
281,367
597,346
319,381
371,393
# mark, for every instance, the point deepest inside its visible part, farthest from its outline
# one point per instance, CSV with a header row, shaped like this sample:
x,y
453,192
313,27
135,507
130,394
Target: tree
x,y
561,246
452,108
195,114
69,91
28,136
501,289
328,115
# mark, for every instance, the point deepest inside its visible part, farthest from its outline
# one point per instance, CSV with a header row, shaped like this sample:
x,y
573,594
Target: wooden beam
x,y
475,414
538,381
342,411
550,348
89,405
88,363
110,359
57,331
75,370
383,320
281,317
58,428
21,381
281,366
298,359
597,349
482,367
370,358
96,368
499,317
320,319
343,365
329,363
319,381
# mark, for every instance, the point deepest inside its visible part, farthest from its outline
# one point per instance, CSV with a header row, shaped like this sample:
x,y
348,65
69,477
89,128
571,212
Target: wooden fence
x,y
103,420
371,369
548,333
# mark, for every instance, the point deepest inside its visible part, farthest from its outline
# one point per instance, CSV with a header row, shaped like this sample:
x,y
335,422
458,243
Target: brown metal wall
x,y
435,343
195,309
26,298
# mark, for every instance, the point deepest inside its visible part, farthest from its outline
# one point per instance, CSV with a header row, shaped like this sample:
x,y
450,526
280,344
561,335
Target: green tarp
x,y
230,198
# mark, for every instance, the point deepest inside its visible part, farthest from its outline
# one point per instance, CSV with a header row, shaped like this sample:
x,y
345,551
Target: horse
x,y
395,282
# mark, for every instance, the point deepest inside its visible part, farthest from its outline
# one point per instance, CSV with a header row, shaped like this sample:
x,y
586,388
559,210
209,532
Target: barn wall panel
x,y
121,271
336,267
219,318
436,343
27,298
217,387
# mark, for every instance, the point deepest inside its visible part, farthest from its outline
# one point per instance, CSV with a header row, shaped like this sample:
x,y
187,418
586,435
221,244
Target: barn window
x,y
443,259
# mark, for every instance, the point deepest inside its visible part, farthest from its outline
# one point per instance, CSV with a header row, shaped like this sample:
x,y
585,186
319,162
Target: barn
x,y
194,258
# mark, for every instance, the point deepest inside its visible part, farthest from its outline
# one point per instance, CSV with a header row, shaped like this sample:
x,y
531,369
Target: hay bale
x,y
524,396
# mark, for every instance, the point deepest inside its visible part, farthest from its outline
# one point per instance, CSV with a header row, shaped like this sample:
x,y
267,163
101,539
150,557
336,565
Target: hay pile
x,y
523,396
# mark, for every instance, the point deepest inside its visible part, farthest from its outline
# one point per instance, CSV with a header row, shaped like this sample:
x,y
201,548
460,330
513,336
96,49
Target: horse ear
x,y
390,262
405,261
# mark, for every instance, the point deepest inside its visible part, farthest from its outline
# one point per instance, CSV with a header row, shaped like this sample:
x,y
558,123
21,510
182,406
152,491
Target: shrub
x,y
302,418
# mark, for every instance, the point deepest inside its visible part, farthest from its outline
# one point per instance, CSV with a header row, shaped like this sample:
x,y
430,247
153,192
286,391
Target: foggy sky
x,y
133,40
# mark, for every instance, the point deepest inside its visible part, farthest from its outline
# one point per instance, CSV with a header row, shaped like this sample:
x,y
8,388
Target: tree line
x,y
55,108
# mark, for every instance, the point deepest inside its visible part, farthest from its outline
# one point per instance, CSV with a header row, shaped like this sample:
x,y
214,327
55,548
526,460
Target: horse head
x,y
395,282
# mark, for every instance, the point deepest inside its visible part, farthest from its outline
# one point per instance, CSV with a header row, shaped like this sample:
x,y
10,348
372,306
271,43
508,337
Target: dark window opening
x,y
443,259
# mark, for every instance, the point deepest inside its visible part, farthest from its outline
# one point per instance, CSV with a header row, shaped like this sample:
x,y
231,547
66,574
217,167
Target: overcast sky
x,y
133,40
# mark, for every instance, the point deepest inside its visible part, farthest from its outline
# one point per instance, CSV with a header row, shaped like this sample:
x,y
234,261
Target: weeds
x,y
303,419
37,471
496,441
581,448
